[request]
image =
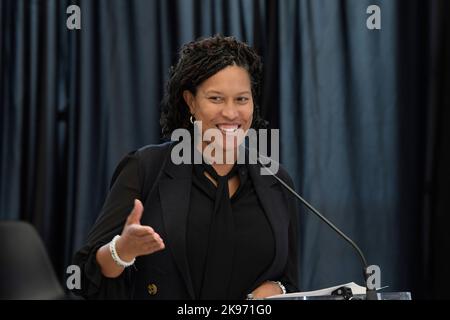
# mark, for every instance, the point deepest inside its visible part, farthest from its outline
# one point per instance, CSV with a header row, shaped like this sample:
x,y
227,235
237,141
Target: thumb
x,y
135,216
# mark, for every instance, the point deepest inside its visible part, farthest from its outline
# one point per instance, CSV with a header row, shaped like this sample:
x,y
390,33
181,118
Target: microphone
x,y
371,294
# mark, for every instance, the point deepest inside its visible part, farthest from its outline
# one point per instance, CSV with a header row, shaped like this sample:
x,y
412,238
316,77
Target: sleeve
x,y
290,277
125,187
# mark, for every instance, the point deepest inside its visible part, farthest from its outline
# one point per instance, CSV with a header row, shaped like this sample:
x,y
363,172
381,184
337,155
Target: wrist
x,y
280,286
123,252
119,254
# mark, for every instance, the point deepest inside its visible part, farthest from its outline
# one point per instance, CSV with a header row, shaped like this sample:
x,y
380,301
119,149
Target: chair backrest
x,y
25,268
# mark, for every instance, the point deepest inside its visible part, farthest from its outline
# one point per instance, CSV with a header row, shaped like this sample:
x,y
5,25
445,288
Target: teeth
x,y
228,128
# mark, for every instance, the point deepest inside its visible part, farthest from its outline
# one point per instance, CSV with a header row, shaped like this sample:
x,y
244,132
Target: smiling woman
x,y
201,60
196,231
220,102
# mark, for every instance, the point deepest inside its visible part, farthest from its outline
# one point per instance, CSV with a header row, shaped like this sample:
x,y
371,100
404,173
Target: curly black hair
x,y
199,60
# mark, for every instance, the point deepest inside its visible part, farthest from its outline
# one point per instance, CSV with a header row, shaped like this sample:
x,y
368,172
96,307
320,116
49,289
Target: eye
x,y
242,100
215,99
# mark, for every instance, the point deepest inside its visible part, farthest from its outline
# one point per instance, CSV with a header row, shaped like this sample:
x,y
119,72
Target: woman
x,y
196,231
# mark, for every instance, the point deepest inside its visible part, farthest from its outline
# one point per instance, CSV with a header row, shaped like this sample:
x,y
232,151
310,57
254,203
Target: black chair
x,y
25,268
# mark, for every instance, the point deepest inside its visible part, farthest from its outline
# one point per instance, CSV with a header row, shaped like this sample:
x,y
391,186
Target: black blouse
x,y
252,238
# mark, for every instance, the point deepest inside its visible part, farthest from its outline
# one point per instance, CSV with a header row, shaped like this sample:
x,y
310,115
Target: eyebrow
x,y
218,92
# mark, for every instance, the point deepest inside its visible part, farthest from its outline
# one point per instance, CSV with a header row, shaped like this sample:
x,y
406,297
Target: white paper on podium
x,y
356,289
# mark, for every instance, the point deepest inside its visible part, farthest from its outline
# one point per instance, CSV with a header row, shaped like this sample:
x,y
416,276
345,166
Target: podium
x,y
381,296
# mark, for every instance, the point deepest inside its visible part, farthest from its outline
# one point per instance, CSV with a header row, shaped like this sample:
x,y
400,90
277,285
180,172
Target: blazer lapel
x,y
273,203
175,190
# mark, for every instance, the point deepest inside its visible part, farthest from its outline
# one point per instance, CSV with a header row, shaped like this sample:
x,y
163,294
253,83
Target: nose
x,y
229,111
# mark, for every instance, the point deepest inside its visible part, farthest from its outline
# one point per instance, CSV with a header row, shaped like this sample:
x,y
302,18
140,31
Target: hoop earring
x,y
192,119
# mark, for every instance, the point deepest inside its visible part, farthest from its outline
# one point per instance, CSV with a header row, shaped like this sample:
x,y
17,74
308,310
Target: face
x,y
224,102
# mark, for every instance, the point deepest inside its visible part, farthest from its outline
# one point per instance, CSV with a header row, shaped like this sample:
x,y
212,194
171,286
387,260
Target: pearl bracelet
x,y
282,287
115,256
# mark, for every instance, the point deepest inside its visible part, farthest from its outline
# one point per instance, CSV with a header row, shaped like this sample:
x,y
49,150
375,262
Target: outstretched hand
x,y
136,239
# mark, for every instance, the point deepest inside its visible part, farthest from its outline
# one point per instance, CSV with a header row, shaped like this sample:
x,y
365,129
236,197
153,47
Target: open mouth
x,y
228,128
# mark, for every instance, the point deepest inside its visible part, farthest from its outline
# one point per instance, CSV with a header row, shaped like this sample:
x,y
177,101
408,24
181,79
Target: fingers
x,y
142,234
140,231
152,246
151,243
135,216
150,239
148,244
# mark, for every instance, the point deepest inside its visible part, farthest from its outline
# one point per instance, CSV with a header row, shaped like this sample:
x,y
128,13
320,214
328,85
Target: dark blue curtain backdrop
x,y
362,116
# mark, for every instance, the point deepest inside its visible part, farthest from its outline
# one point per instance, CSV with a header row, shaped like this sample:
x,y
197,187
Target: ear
x,y
189,99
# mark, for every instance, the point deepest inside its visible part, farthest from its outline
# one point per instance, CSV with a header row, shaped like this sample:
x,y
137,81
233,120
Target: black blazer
x,y
164,188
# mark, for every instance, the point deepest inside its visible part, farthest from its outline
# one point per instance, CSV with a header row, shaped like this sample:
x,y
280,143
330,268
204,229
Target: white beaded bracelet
x,y
283,288
115,256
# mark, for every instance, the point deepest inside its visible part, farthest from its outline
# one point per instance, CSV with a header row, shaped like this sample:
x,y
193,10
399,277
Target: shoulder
x,y
148,155
153,158
146,160
152,151
267,171
283,174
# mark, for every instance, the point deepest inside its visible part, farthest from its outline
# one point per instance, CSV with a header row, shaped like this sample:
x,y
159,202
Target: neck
x,y
222,169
